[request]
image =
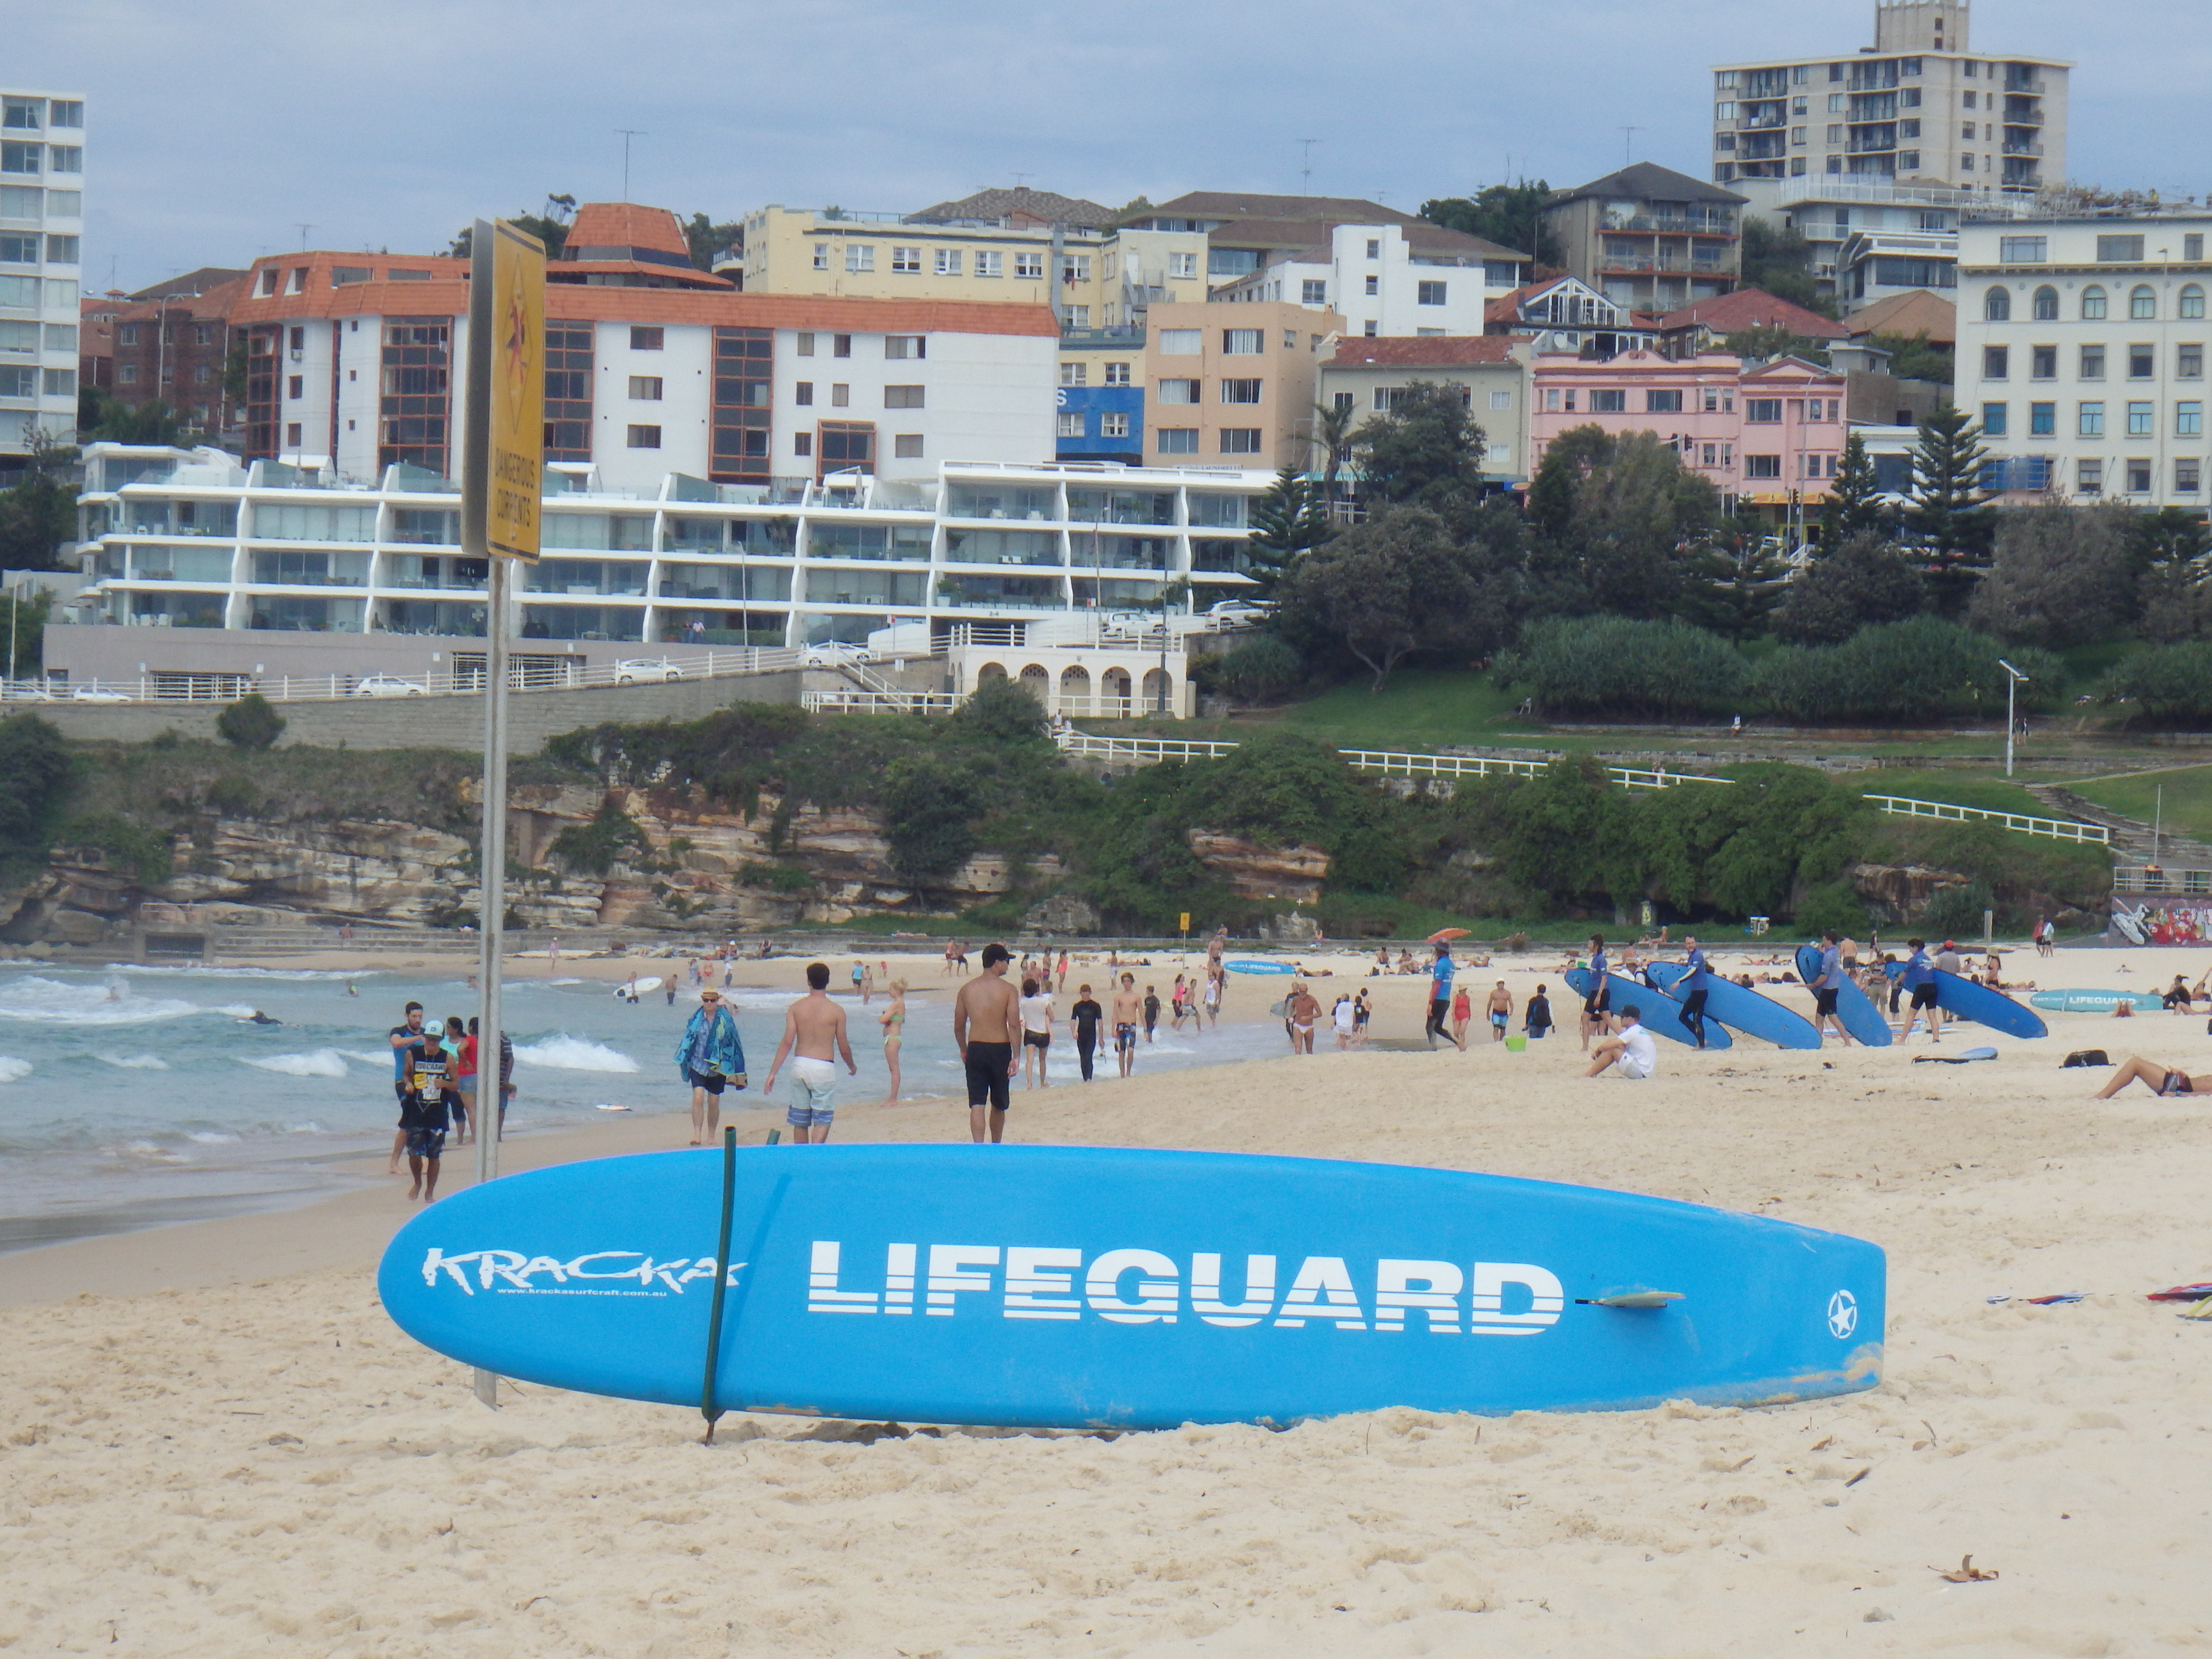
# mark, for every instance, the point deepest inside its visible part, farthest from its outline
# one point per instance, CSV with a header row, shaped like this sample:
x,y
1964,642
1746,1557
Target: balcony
x,y
2025,84
1872,81
1665,263
2019,147
1673,224
2021,112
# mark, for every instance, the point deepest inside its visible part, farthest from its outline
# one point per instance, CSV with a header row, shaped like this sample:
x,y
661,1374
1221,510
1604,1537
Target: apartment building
x,y
1236,385
1918,105
998,246
1100,412
349,362
1706,325
2082,346
1567,315
1369,375
1379,280
1650,238
1245,232
42,264
1768,436
206,566
168,343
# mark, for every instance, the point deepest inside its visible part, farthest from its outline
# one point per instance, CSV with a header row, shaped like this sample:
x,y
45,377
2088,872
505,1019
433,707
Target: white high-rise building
x,y
41,254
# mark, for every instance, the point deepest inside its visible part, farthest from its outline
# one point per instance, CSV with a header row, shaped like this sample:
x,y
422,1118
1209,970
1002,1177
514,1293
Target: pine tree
x,y
1950,509
1287,518
1855,505
1733,584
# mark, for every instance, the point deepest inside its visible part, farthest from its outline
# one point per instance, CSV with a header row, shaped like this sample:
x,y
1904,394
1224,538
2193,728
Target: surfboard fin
x,y
1631,1299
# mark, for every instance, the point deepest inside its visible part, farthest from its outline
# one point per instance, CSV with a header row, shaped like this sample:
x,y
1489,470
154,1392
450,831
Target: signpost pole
x,y
501,459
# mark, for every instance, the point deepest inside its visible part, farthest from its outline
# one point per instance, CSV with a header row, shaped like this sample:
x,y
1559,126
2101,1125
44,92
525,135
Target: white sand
x,y
369,1505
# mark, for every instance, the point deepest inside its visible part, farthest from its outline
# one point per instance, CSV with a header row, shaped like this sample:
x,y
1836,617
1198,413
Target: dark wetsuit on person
x,y
1693,986
1086,1014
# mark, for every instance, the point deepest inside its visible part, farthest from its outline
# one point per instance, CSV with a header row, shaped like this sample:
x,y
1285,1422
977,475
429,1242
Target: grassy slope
x,y
2187,792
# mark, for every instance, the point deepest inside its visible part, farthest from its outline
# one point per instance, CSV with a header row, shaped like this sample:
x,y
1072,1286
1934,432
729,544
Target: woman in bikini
x,y
2159,1079
893,1020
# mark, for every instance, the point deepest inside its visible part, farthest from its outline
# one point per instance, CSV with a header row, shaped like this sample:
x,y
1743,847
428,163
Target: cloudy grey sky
x,y
218,127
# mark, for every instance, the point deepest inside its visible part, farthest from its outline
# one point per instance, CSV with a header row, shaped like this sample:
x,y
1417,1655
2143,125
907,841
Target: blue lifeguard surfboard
x,y
1962,999
1099,1287
1866,1022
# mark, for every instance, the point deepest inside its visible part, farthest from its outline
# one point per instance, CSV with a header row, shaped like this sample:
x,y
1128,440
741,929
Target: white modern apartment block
x,y
42,258
1872,239
1918,106
205,565
2082,346
1376,279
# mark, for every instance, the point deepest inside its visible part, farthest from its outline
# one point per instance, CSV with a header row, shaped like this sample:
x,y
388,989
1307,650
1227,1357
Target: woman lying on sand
x,y
2158,1078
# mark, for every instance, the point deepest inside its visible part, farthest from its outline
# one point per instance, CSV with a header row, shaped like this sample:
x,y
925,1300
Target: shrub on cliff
x,y
252,722
35,782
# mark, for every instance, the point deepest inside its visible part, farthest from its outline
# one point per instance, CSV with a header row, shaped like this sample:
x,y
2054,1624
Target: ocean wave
x,y
39,1000
323,1062
384,1059
571,1053
301,976
13,1070
135,1062
211,1137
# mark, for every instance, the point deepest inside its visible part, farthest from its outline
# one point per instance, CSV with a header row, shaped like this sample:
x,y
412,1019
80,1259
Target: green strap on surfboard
x,y
708,1408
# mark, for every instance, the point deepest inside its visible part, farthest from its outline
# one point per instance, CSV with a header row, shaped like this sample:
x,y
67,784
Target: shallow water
x,y
131,1096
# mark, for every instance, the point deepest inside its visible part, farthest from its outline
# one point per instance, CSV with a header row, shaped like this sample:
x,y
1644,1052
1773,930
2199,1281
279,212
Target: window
x,y
2043,362
203,375
1341,401
840,345
204,334
650,339
1997,306
126,334
1386,399
1074,374
906,259
840,395
1070,423
1907,130
2043,420
2093,362
1179,343
19,157
61,382
802,443
1178,391
1075,317
1993,420
1763,411
61,250
1312,291
2046,304
2023,249
1966,129
802,392
1029,267
2189,419
906,447
1837,103
2143,419
1656,401
1117,374
804,345
2138,477
2119,250
1182,267
22,114
1371,328
292,438
2192,247
66,112
1373,284
903,348
645,388
1239,391
2142,362
2189,363
295,387
1240,440
1374,247
1113,423
2142,303
859,257
2093,304
1996,362
1176,440
1710,456
645,437
65,158
1241,342
1075,267
2188,477
2090,421
821,263
1762,466
1608,400
948,264
1501,400
2192,307
989,262
1429,293
902,397
125,375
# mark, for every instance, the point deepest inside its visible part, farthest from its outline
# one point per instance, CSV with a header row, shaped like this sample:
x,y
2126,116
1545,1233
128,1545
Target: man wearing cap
x,y
987,1029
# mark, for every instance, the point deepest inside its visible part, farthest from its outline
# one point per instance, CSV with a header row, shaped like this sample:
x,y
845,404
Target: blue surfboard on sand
x,y
1744,1009
1865,1022
1661,1014
1256,965
1964,999
1104,1288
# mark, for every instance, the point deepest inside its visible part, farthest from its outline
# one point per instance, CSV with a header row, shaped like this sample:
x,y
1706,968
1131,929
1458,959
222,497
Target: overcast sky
x,y
218,127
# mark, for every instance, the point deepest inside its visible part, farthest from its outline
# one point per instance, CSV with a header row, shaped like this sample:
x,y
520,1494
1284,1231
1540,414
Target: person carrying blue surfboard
x,y
1697,982
1597,1006
709,1056
1919,978
1827,986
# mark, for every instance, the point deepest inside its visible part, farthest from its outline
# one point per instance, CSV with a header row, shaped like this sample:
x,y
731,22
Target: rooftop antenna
x,y
1627,144
629,133
304,229
1305,166
1022,180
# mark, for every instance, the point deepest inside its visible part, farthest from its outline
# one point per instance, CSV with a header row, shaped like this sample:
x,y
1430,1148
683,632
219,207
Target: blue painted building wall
x,y
1093,403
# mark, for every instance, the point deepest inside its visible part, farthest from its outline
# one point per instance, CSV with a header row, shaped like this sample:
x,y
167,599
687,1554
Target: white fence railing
x,y
2019,823
881,703
2154,879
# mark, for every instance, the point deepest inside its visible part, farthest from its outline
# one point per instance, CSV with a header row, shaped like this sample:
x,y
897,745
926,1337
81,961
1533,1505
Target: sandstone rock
x,y
1253,870
1062,913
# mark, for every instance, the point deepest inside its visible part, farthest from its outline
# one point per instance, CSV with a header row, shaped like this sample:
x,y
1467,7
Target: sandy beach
x,y
216,1443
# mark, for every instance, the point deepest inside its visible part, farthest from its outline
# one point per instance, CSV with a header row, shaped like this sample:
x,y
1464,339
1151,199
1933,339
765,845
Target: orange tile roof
x,y
1752,308
625,224
1421,351
1916,313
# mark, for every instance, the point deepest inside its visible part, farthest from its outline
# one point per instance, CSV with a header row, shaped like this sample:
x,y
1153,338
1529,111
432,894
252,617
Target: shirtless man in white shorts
x,y
813,1031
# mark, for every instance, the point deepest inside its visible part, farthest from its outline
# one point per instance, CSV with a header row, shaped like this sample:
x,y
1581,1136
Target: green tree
x,y
1915,357
26,621
1001,712
1511,215
708,242
1772,340
1288,518
1585,665
1733,581
1854,507
1426,450
1854,583
2061,575
1778,260
1949,514
1399,583
252,722
1633,513
550,227
39,513
1332,435
2171,599
35,783
105,419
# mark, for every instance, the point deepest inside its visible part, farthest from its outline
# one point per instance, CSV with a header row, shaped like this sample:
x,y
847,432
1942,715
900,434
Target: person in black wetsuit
x,y
1083,1020
1692,987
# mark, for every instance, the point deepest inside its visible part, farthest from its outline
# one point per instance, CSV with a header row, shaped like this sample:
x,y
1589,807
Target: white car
x,y
637,669
388,685
836,654
26,692
97,693
1238,609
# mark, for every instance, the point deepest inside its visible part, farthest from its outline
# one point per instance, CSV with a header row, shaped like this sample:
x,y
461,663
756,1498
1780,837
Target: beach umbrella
x,y
1443,935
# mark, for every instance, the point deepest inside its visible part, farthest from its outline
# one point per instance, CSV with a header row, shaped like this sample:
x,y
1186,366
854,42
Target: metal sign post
x,y
503,455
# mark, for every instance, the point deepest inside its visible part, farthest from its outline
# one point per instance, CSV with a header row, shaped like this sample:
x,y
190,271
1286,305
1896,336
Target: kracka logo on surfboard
x,y
1122,1286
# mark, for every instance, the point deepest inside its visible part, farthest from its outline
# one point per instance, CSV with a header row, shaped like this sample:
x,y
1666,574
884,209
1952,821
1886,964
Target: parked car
x,y
97,693
1238,610
389,685
26,691
836,654
635,670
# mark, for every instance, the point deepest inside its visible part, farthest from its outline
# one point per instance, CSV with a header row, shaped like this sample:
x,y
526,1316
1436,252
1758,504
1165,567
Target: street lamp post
x,y
2012,685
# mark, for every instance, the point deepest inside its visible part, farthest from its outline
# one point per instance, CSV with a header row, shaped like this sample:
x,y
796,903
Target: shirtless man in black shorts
x,y
1129,1013
987,1029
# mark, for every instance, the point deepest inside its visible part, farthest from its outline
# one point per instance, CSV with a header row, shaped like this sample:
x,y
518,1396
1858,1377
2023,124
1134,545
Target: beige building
x,y
1366,374
1028,246
1234,385
1650,238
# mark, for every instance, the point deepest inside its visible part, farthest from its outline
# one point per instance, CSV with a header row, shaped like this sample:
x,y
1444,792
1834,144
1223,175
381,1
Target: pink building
x,y
1758,434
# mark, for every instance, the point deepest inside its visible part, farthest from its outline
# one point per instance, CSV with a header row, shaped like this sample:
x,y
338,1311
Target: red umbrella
x,y
1442,934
